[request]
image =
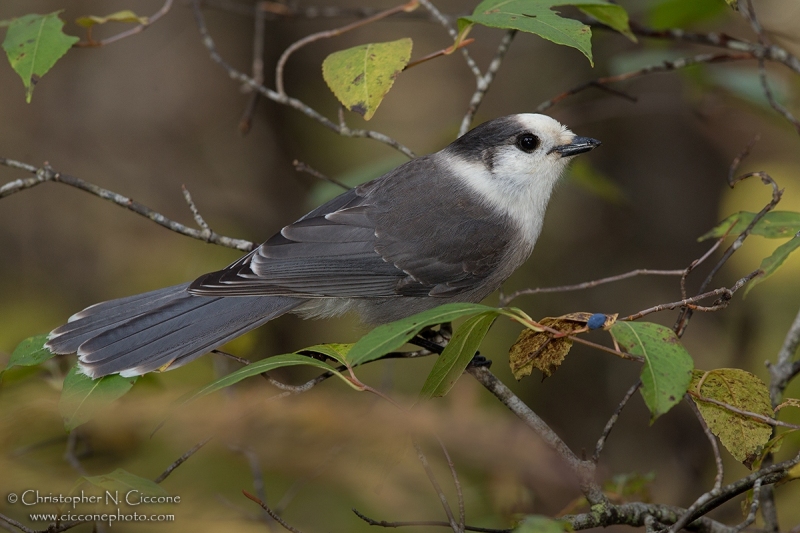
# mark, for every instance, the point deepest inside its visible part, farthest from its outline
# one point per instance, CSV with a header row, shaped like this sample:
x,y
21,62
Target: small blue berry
x,y
596,321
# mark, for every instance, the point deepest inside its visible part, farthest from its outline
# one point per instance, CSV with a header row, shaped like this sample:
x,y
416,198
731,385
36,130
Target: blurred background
x,y
150,113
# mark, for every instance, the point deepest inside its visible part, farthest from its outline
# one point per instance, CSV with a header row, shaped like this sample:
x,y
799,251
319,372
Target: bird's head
x,y
514,162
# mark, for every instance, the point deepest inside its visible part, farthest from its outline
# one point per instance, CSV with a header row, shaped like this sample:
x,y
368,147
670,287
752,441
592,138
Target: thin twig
x,y
127,33
749,14
461,511
46,173
327,34
784,370
443,52
697,262
714,447
718,40
689,303
749,414
255,472
198,218
707,502
432,478
446,23
270,512
666,66
384,523
505,300
686,314
283,99
582,469
246,121
180,460
12,522
485,81
302,167
751,516
598,449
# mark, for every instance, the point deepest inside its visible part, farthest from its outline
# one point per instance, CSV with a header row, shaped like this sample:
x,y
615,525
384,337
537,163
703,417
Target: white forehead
x,y
544,126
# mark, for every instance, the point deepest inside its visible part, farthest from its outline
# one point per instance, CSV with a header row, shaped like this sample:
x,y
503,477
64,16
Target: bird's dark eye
x,y
527,142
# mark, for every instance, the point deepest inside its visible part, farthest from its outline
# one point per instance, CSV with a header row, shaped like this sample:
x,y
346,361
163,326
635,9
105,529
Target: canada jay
x,y
445,227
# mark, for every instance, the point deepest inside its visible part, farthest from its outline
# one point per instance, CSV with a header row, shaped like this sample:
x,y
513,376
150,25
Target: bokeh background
x,y
152,112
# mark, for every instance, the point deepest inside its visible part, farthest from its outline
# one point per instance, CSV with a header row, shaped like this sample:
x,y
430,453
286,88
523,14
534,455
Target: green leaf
x,y
772,263
536,16
334,351
457,355
389,337
542,524
124,482
30,352
120,16
668,366
4,23
773,225
682,13
82,397
360,77
613,16
742,436
254,369
33,44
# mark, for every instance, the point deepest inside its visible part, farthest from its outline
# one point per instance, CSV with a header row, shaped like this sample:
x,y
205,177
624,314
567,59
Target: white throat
x,y
516,192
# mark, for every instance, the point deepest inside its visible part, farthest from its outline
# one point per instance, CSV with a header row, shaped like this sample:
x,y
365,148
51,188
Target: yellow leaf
x,y
742,436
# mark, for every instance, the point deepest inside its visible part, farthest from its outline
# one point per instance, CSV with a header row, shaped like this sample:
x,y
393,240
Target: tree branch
x,y
90,43
583,470
283,99
485,81
47,173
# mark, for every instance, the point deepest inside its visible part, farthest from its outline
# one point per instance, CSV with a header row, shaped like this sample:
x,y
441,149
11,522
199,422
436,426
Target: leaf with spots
x,y
33,44
667,369
742,436
538,17
543,351
360,77
82,397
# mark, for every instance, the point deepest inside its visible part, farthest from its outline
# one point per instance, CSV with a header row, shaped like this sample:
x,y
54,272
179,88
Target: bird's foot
x,y
479,361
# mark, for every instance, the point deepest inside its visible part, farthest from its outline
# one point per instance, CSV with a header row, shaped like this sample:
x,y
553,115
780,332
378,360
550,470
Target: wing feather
x,y
382,239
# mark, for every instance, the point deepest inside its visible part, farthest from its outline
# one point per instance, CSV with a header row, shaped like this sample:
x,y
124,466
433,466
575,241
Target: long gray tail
x,y
168,327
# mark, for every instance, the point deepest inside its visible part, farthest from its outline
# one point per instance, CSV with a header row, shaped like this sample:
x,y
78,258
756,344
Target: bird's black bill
x,y
578,145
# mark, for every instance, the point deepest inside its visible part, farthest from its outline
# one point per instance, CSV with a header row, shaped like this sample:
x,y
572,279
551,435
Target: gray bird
x,y
446,227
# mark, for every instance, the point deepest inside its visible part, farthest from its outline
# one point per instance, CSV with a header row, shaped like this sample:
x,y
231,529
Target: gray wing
x,y
404,234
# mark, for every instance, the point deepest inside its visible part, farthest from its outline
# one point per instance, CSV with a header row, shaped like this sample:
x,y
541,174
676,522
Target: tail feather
x,y
101,317
169,327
